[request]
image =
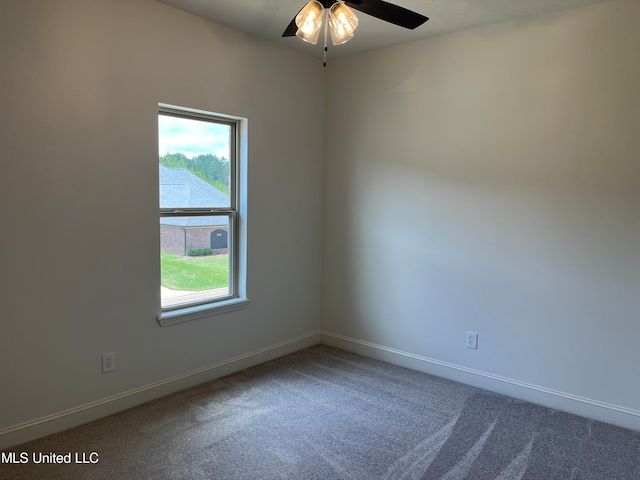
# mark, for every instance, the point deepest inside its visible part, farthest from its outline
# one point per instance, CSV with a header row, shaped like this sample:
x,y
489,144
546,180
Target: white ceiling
x,y
268,19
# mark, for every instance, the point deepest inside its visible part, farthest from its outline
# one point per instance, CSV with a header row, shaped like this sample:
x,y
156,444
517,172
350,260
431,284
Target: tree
x,y
210,168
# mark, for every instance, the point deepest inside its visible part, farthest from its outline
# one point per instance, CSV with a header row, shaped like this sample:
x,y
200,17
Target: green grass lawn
x,y
194,273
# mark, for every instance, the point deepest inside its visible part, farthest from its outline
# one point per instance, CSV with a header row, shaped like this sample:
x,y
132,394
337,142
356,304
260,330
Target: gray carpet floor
x,y
323,413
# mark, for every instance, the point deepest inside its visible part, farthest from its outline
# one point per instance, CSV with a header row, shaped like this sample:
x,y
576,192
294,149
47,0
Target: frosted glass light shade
x,y
342,23
309,22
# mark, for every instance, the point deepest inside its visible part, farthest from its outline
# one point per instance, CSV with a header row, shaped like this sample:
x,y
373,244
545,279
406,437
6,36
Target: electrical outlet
x,y
108,362
472,340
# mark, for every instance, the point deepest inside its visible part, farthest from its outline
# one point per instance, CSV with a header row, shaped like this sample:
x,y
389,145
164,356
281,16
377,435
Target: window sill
x,y
201,311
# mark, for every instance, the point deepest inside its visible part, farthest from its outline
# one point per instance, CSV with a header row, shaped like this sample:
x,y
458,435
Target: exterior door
x,y
218,239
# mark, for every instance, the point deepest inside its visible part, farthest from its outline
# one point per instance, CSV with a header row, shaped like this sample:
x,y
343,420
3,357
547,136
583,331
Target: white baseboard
x,y
57,422
614,414
585,407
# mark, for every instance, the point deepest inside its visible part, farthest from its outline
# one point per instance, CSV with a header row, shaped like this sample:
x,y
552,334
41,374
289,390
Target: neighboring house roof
x,y
180,188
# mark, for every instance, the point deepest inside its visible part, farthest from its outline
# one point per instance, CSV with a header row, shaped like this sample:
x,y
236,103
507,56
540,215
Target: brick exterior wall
x,y
172,239
178,240
199,237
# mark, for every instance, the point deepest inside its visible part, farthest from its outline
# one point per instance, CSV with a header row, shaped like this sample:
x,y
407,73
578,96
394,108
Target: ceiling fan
x,y
342,22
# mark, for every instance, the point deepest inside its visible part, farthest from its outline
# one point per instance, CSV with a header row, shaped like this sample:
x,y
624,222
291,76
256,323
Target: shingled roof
x,y
180,188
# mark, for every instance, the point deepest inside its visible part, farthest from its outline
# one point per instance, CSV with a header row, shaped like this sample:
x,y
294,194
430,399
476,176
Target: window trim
x,y
195,312
236,299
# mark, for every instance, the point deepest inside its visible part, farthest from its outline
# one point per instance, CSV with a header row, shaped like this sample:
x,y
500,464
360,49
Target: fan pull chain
x,y
326,27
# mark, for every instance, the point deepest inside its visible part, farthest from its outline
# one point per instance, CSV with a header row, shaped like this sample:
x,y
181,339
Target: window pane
x,y
194,259
194,163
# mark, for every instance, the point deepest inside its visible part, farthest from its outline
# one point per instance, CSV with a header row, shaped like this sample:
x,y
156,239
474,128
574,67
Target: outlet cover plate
x,y
108,362
472,340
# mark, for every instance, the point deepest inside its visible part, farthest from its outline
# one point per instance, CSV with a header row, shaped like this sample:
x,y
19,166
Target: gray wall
x,y
489,181
480,181
80,86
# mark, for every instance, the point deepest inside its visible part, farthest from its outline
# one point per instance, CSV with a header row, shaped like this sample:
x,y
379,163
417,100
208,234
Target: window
x,y
199,214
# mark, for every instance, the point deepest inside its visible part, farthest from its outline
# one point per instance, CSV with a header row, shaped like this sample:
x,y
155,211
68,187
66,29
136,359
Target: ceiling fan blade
x,y
292,28
388,12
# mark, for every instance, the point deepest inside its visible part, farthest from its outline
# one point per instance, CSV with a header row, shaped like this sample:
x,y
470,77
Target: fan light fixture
x,y
338,18
309,22
342,23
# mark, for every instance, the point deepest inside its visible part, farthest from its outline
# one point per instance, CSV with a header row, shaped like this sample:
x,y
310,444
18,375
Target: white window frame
x,y
236,213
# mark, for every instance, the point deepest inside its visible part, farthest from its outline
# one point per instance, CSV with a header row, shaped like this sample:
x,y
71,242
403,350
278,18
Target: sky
x,y
192,137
